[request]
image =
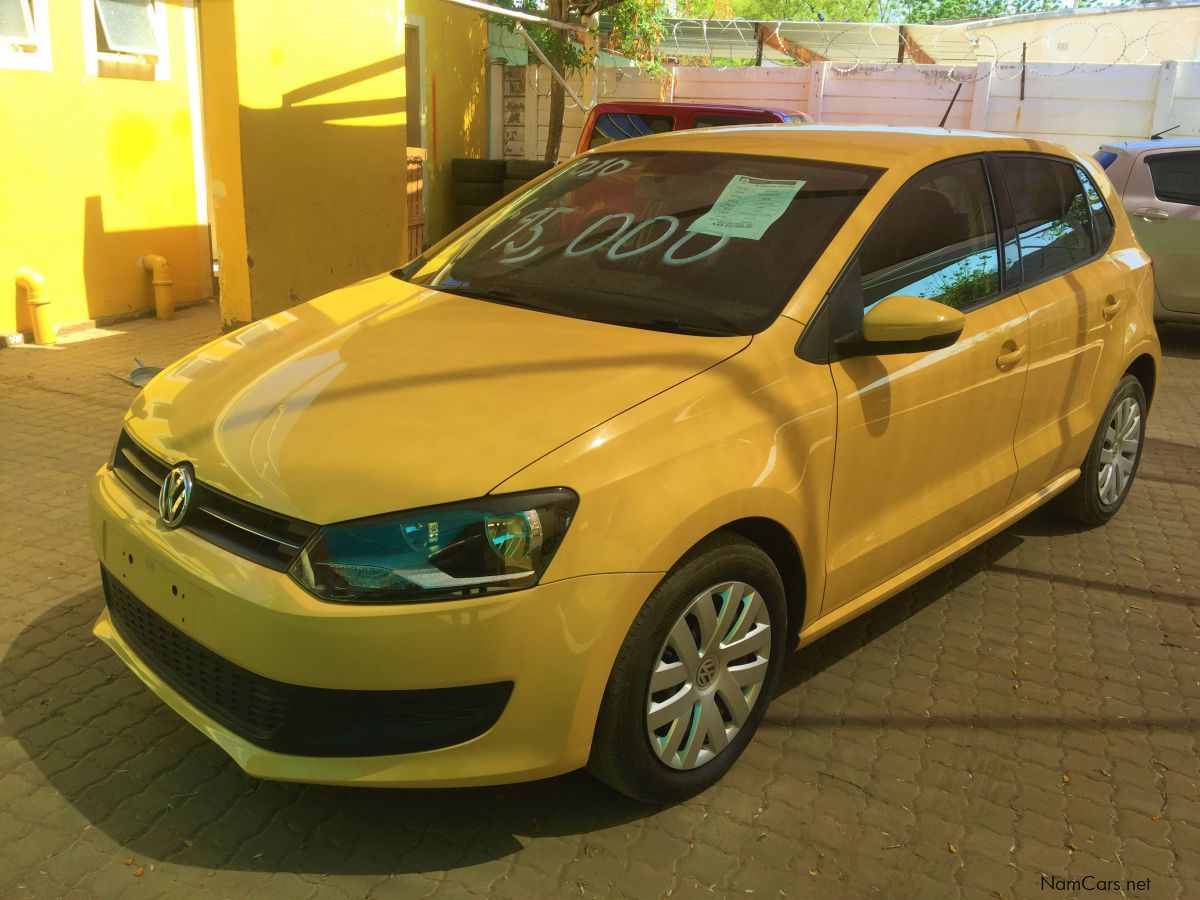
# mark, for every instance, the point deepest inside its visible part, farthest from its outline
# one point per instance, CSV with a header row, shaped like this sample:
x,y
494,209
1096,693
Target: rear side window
x,y
1105,157
936,239
714,121
1052,213
1102,220
1176,177
619,126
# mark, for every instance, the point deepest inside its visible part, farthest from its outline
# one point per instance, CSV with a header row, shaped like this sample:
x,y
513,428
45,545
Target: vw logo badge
x,y
175,496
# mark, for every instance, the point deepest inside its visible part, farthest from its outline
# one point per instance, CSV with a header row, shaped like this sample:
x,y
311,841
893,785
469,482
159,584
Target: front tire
x,y
693,678
1111,463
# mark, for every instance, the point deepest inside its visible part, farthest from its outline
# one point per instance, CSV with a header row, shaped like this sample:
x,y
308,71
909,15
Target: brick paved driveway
x,y
1032,709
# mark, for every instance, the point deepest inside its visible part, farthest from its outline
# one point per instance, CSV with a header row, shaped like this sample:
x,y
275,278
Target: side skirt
x,y
913,574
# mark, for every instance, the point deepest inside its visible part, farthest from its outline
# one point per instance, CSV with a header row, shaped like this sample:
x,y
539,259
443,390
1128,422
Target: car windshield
x,y
702,243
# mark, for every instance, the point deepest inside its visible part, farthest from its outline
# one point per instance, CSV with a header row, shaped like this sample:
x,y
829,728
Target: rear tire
x,y
1112,460
666,745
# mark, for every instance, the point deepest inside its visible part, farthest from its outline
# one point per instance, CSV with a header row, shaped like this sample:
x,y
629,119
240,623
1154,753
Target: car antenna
x,y
946,115
1158,136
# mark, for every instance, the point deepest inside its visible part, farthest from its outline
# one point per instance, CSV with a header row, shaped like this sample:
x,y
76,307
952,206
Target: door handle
x,y
1112,306
1011,358
1152,214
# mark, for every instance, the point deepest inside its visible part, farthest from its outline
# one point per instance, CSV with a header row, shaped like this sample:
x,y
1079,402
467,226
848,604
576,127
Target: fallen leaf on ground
x,y
129,860
953,849
139,871
1066,778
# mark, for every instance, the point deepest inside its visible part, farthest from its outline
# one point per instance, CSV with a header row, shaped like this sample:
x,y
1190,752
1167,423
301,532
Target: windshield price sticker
x,y
747,207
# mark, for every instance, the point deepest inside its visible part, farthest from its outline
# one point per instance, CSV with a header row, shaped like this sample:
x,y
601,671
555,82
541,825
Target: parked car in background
x,y
1159,184
619,120
566,489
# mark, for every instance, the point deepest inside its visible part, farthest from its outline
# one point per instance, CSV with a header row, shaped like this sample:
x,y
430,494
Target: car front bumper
x,y
554,644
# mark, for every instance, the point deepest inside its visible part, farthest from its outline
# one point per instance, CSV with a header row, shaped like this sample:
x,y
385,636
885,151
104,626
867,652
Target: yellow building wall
x,y
310,119
455,101
1146,36
94,172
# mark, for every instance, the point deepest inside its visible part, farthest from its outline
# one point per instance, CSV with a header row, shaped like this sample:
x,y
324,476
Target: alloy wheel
x,y
709,675
1118,452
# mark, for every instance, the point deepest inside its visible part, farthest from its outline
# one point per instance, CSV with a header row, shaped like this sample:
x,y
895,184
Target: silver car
x,y
1159,184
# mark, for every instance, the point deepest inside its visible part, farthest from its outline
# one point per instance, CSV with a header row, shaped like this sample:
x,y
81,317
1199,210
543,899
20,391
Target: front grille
x,y
290,718
253,533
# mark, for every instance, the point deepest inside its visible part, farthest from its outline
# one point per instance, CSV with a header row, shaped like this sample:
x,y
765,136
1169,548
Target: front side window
x,y
705,243
1052,214
936,239
619,126
1176,177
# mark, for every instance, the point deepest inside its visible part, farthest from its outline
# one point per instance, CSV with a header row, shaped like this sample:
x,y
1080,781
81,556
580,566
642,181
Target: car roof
x,y
1151,144
657,106
866,145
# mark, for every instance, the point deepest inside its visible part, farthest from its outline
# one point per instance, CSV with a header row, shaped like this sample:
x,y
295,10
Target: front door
x,y
1163,200
925,439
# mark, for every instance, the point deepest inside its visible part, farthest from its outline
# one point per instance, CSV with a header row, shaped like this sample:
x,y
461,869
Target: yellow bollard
x,y
164,301
39,305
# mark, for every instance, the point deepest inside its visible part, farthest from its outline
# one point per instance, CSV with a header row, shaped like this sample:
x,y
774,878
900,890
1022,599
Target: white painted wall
x,y
1080,105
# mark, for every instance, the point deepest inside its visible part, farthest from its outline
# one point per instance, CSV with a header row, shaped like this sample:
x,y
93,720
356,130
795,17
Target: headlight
x,y
492,544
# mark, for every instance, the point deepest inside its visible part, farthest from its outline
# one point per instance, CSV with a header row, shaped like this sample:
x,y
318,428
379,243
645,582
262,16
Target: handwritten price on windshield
x,y
532,228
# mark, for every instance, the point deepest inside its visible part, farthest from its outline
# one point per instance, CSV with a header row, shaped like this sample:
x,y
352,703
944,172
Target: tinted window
x,y
703,242
1052,214
1176,177
721,121
1102,220
1105,157
936,239
618,126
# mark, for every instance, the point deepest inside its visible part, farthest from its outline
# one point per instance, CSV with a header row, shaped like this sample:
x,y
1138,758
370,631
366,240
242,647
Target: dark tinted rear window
x,y
1176,177
1105,157
619,126
1053,216
720,121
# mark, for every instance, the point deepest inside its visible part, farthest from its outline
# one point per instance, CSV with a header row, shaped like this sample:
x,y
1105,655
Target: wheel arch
x,y
1145,371
778,543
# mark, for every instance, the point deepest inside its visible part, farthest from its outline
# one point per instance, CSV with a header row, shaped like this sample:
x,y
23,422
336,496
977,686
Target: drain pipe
x,y
164,303
39,305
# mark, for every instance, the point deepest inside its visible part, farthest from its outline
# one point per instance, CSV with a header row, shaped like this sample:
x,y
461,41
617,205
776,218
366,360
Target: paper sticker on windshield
x,y
747,207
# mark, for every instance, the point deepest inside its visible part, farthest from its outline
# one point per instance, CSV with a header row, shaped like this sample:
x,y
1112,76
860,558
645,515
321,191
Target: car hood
x,y
385,396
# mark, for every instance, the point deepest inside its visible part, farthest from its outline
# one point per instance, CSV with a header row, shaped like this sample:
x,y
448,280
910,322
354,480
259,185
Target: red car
x,y
608,122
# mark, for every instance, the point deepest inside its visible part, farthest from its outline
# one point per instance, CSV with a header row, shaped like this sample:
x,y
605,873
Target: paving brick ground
x,y
1033,709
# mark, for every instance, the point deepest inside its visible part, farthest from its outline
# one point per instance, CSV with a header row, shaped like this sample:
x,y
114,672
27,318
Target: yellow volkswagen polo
x,y
565,490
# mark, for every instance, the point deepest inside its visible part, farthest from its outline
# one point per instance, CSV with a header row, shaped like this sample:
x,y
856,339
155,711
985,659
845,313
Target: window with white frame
x,y
128,28
24,35
16,24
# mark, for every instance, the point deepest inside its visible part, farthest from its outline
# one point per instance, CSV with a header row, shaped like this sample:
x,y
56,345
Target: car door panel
x,y
924,448
1167,227
1074,292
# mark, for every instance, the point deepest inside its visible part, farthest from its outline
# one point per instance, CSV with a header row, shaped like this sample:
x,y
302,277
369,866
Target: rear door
x,y
1058,243
1163,200
924,448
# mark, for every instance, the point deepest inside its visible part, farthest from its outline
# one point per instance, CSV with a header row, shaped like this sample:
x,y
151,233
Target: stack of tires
x,y
478,183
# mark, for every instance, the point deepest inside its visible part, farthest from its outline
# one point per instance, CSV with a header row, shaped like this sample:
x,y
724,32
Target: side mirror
x,y
912,320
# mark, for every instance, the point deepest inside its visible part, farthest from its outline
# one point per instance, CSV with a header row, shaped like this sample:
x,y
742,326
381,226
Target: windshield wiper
x,y
673,325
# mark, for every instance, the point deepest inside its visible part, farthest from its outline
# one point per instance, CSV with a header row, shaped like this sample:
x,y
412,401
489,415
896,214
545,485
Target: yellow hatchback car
x,y
565,490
